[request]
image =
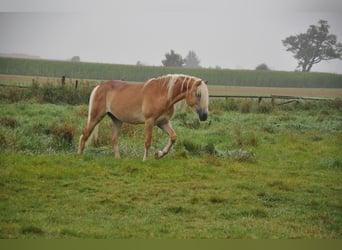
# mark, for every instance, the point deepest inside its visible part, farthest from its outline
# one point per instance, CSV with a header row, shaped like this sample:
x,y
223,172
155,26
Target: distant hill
x,y
19,55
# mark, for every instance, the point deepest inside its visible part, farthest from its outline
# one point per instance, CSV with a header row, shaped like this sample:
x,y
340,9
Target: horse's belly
x,y
126,109
129,117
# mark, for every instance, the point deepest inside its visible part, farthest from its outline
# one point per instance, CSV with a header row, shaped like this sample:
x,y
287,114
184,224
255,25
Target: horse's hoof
x,y
159,154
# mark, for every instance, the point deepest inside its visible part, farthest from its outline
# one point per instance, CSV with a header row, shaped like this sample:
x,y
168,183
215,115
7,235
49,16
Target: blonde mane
x,y
169,81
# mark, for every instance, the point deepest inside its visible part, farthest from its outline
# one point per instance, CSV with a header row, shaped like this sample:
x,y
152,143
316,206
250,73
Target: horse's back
x,y
111,88
114,85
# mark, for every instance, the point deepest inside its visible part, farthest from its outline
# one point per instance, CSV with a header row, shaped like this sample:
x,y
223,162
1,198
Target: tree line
x,y
309,48
173,59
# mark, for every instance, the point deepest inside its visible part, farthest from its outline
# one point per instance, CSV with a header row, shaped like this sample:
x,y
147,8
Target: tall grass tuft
x,y
246,106
265,107
192,146
331,163
239,142
63,134
9,122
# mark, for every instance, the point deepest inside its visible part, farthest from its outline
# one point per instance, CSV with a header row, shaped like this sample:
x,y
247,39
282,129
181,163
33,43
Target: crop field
x,y
252,170
226,77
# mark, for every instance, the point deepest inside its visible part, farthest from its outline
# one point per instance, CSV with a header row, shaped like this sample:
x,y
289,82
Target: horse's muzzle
x,y
203,115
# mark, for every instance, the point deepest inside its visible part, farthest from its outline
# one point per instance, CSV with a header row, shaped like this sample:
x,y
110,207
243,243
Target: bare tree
x,y
314,46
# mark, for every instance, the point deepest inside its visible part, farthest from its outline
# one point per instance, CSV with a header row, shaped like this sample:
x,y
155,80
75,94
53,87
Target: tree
x,y
75,59
314,46
173,60
262,66
191,60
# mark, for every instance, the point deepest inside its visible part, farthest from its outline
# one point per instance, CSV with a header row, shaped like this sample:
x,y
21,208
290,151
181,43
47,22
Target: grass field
x,y
251,171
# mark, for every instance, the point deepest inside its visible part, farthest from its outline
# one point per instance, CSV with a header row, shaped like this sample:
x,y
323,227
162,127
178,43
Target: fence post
x,y
63,80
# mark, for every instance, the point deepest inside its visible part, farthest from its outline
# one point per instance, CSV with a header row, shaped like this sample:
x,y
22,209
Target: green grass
x,y
253,172
66,196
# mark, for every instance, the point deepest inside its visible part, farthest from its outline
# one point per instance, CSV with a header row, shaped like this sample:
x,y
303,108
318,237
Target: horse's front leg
x,y
149,123
167,128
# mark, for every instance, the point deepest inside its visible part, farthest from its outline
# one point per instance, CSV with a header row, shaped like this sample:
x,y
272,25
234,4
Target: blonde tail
x,y
93,138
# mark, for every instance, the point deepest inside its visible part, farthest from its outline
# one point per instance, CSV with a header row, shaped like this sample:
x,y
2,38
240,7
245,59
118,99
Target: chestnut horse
x,y
151,103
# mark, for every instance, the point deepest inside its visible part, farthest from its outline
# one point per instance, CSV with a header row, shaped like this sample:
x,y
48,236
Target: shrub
x,y
14,94
246,106
241,155
335,104
238,137
8,122
229,104
63,134
265,107
252,139
192,147
210,149
268,128
2,139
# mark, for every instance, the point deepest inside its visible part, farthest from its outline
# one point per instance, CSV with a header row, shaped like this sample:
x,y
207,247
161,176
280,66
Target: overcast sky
x,y
231,34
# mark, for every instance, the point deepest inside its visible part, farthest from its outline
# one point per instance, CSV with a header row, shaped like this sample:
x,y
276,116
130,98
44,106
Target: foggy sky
x,y
230,34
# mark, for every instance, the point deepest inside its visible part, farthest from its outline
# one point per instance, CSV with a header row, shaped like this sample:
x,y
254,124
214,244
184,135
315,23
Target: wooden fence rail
x,y
272,97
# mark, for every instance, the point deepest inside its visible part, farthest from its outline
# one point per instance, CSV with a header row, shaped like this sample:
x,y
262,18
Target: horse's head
x,y
198,99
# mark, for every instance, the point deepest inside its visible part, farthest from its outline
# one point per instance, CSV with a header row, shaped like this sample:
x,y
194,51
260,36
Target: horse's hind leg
x,y
167,128
148,136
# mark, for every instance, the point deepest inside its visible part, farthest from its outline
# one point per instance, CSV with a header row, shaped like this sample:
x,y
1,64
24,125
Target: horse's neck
x,y
180,92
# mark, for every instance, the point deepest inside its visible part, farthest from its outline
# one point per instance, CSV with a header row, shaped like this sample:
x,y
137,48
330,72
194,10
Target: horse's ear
x,y
198,83
206,81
